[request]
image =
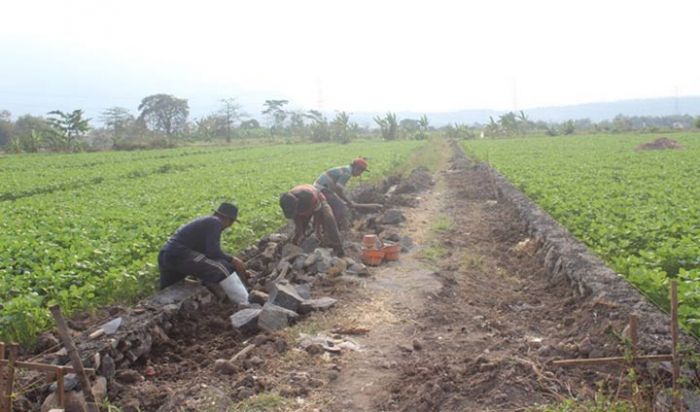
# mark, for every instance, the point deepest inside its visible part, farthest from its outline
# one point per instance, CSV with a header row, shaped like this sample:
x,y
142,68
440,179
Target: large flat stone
x,y
273,318
246,319
284,295
310,305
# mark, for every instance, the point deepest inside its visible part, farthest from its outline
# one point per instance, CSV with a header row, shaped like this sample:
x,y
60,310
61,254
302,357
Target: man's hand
x,y
240,268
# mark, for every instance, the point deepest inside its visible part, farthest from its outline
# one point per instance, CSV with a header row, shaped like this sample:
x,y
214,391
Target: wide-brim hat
x,y
228,210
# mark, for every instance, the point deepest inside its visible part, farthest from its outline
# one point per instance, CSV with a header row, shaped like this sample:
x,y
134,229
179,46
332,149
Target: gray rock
x,y
310,260
285,295
70,382
270,250
393,217
299,262
310,244
316,304
323,266
304,290
274,318
224,367
406,243
258,296
358,269
291,250
338,266
246,319
108,368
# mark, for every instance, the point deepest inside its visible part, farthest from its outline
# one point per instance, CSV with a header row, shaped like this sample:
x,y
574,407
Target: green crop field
x,y
638,210
82,230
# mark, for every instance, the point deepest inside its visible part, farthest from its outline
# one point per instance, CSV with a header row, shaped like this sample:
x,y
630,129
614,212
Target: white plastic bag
x,y
234,288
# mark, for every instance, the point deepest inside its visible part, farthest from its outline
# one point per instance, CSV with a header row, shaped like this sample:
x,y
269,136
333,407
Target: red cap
x,y
360,162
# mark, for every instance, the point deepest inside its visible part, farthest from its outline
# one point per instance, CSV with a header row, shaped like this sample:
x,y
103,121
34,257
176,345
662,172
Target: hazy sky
x,y
349,55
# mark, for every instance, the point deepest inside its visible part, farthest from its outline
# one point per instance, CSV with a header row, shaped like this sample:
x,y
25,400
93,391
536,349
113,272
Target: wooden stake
x,y
60,389
634,321
674,349
74,357
10,378
2,376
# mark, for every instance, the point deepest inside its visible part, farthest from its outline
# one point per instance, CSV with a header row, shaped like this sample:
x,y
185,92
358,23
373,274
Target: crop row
x,y
638,210
97,244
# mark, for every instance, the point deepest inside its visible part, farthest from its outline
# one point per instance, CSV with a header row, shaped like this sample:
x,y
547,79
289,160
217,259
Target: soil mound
x,y
662,143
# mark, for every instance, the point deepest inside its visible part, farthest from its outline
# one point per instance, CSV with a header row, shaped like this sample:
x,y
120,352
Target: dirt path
x,y
399,290
464,322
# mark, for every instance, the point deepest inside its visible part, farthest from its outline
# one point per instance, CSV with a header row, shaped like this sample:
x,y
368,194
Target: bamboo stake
x,y
614,359
674,350
10,378
74,357
44,367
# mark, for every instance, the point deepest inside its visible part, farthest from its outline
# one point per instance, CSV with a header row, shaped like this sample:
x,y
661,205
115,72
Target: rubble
x,y
316,304
258,296
246,319
393,217
310,244
285,295
273,317
304,290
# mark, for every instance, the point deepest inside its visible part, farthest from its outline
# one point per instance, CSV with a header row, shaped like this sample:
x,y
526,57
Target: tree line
x,y
163,120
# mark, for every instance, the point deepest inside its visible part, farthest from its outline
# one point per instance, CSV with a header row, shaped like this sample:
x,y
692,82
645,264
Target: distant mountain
x,y
595,111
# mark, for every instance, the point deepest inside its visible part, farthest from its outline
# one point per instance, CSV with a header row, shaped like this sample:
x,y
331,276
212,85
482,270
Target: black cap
x,y
228,210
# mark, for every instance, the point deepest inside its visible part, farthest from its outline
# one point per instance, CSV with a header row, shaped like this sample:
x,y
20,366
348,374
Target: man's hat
x,y
228,210
361,163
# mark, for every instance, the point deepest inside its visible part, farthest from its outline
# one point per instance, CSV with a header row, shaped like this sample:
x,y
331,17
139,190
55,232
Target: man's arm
x,y
341,194
299,228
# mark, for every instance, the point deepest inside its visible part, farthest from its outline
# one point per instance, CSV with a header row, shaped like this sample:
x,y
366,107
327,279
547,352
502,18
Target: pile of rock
x,y
279,308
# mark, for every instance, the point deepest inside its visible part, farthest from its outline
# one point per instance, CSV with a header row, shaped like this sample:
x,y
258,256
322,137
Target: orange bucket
x,y
372,257
392,251
369,241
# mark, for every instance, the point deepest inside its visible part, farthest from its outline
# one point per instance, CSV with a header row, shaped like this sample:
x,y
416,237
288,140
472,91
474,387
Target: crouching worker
x,y
304,202
332,182
195,249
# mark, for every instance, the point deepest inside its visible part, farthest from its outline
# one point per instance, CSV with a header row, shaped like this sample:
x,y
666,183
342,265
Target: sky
x,y
355,55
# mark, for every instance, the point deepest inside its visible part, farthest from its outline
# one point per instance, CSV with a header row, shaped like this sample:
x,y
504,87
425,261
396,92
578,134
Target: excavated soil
x,y
662,143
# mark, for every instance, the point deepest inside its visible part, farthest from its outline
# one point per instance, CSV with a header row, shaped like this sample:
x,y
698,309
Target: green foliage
x,y
388,126
164,113
83,230
66,129
275,110
639,211
341,128
320,130
459,131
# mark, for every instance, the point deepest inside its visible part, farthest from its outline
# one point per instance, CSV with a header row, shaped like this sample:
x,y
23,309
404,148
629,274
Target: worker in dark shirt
x,y
195,249
304,202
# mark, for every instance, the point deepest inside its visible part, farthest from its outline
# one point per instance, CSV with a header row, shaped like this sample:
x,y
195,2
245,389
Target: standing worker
x,y
304,202
332,183
195,249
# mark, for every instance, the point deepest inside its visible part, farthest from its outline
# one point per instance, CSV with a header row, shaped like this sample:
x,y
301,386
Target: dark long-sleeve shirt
x,y
202,235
